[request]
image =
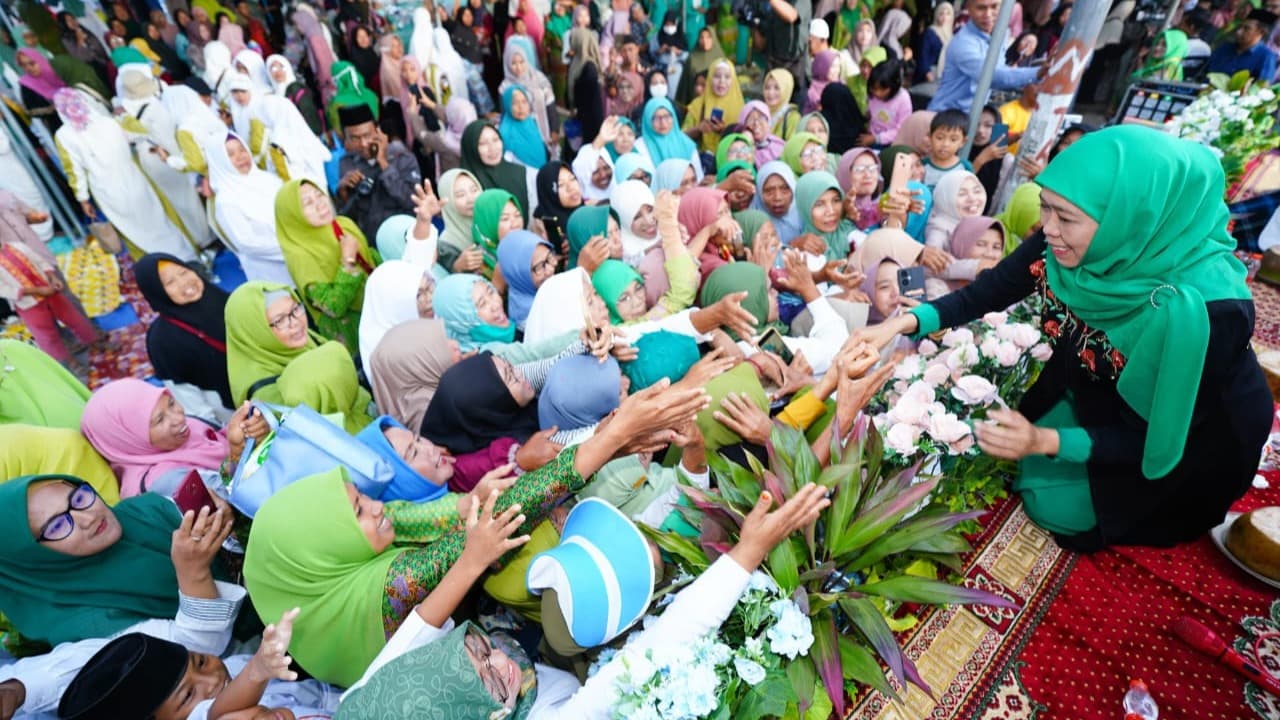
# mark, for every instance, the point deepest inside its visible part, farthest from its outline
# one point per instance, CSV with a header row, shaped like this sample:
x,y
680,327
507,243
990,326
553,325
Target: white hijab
x,y
390,298
422,43
628,197
584,164
217,66
944,216
256,69
192,115
253,193
558,307
288,130
242,115
279,88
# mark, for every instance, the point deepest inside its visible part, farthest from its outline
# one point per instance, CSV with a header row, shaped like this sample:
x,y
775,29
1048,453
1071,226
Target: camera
x,y
365,187
752,13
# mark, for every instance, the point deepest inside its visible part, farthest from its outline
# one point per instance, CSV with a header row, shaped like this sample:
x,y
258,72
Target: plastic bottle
x,y
1138,703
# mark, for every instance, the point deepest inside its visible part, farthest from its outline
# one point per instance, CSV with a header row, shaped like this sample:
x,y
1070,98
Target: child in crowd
x,y
946,137
1017,113
889,104
29,281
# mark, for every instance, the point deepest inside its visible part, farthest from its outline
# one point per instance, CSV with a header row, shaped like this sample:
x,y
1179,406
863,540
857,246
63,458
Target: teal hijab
x,y
1160,253
810,187
585,223
522,137
455,306
58,598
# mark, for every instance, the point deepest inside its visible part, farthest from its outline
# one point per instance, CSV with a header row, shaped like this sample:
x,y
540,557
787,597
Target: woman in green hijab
x,y
327,256
350,576
1164,60
273,356
1022,216
589,222
351,91
821,206
36,390
457,251
1150,415
62,585
497,213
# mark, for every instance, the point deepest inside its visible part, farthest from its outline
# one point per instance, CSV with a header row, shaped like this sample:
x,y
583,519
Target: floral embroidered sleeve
x,y
427,522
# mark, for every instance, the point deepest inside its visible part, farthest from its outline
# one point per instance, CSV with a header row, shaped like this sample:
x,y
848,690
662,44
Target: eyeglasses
x,y
865,169
489,677
741,153
546,265
813,153
290,318
60,526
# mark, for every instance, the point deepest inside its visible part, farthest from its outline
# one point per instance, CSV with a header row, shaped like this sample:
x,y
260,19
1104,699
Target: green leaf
x,y
862,667
825,654
804,680
768,698
916,530
873,522
906,588
844,502
866,616
784,566
693,557
948,542
821,708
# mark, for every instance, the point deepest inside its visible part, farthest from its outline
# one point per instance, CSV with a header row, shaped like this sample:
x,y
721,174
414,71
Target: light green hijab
x,y
1168,67
751,221
35,389
457,229
791,151
454,692
312,253
306,550
1160,253
741,379
1022,213
810,187
740,277
32,450
320,374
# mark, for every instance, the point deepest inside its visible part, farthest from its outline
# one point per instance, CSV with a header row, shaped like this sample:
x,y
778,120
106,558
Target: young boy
x,y
946,137
31,284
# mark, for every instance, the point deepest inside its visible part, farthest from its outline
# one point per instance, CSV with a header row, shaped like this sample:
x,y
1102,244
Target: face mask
x,y
669,29
658,91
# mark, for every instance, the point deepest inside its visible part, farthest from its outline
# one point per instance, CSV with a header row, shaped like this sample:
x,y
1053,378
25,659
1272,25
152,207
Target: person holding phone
x,y
1146,423
717,108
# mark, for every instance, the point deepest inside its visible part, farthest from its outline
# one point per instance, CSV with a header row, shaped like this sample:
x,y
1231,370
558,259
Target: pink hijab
x,y
72,107
232,35
698,209
768,148
117,422
914,132
47,82
868,205
967,232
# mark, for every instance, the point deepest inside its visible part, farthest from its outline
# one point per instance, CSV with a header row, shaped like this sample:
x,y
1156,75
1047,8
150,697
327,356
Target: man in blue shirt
x,y
965,56
1249,53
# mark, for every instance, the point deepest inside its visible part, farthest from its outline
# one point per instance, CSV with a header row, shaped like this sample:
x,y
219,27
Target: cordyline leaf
x,y
683,548
913,531
826,658
784,567
817,572
894,485
948,560
866,616
715,549
944,543
833,476
736,483
801,598
873,522
714,508
773,484
861,666
844,502
874,451
714,539
907,588
804,678
913,676
753,464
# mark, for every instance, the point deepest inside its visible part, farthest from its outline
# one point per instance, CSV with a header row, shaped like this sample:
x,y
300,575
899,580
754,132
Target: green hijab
x,y
1160,253
312,253
811,187
457,228
738,277
32,450
858,83
662,354
792,149
334,575
751,221
1168,67
585,223
484,225
351,91
730,167
506,175
741,379
1022,213
57,598
454,692
35,389
611,279
320,374
722,150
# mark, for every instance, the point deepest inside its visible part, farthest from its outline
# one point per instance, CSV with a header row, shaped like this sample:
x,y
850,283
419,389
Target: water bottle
x,y
1138,703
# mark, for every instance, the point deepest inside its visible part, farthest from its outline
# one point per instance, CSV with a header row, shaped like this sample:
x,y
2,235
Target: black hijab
x,y
554,215
472,407
187,343
843,117
506,175
366,60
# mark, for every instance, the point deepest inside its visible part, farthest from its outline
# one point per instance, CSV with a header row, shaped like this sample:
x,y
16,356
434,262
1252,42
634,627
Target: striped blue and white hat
x,y
602,573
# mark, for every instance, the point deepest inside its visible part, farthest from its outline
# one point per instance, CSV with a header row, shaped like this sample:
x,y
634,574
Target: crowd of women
x,y
612,266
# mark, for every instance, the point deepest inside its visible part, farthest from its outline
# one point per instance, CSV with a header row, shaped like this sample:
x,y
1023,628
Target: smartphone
x,y
901,172
772,341
911,282
193,495
717,114
1000,134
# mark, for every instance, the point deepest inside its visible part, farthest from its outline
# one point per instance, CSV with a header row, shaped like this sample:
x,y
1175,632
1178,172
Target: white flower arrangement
x,y
1234,120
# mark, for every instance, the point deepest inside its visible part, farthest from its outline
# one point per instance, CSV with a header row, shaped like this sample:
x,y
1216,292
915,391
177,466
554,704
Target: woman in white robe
x,y
244,207
149,123
99,163
291,140
217,68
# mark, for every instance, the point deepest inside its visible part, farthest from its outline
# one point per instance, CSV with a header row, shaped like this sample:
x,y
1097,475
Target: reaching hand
x,y
730,314
743,417
426,204
469,260
809,243
1010,435
853,393
666,206
538,450
762,530
935,260
798,278
708,367
497,480
795,376
593,254
197,539
489,536
271,662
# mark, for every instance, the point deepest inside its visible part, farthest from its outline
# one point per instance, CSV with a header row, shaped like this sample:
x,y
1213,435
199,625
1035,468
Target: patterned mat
x,y
967,654
1266,301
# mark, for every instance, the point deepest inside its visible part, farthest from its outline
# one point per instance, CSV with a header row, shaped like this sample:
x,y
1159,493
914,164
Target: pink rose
x,y
936,374
962,357
910,368
902,438
988,348
1042,351
927,347
957,336
1008,354
1022,335
947,428
996,319
974,390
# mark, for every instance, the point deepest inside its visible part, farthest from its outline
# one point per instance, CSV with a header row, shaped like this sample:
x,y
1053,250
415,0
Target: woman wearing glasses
x,y
75,569
274,356
526,261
